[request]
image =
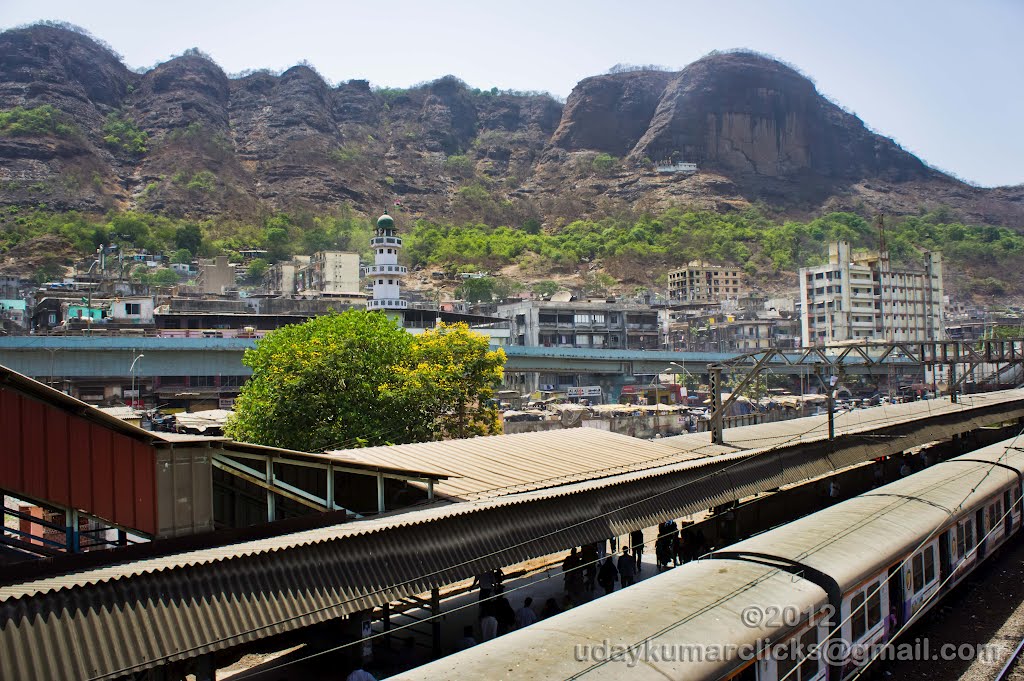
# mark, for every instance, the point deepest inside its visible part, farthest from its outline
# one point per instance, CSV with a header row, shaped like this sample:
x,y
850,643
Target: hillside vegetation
x,y
635,251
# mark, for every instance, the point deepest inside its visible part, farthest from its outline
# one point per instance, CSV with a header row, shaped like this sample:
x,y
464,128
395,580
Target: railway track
x,y
1013,669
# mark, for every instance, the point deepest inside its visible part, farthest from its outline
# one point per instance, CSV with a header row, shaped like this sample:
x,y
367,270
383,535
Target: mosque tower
x,y
386,272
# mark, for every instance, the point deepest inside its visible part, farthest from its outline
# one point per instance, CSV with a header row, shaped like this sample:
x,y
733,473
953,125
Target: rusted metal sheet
x,y
59,458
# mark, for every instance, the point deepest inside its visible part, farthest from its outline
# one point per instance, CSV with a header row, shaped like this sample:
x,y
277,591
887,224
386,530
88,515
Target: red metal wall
x,y
51,455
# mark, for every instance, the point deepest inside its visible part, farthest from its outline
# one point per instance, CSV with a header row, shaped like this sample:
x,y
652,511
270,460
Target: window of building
x,y
133,308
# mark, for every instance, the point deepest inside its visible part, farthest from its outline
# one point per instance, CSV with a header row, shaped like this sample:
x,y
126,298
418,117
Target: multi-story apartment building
x,y
858,296
330,272
281,276
700,282
585,324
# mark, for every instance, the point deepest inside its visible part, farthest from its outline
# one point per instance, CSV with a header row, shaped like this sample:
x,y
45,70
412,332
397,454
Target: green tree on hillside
x,y
256,271
189,237
165,277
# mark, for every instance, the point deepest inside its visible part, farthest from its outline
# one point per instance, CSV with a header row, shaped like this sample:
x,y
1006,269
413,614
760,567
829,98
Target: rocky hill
x,y
186,139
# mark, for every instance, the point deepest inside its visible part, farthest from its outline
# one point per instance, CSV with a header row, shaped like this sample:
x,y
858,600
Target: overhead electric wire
x,y
793,438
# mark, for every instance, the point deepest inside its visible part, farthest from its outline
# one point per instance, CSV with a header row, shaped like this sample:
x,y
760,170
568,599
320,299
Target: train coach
x,y
801,602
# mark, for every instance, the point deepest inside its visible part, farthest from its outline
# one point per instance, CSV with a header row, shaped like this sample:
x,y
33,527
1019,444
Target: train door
x,y
897,601
945,561
979,528
1008,510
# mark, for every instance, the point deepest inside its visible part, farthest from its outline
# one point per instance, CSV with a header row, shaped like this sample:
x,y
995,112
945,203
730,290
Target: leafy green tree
x,y
546,288
122,134
189,237
603,164
50,270
164,277
506,288
256,271
182,256
35,122
278,243
357,378
477,290
452,375
317,386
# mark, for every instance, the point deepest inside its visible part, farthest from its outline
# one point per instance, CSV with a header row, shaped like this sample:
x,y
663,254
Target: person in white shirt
x,y
360,674
525,616
488,627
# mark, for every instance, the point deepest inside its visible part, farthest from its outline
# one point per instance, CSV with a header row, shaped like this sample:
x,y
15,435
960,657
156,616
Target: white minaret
x,y
386,272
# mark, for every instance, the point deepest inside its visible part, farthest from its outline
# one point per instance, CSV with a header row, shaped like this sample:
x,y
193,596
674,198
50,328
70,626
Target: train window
x,y
961,540
784,667
748,673
874,605
918,573
969,534
857,619
808,642
929,565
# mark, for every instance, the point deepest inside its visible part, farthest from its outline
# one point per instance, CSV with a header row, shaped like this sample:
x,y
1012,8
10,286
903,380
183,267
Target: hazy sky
x,y
943,78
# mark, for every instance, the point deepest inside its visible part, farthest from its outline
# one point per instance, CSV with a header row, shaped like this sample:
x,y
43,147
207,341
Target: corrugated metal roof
x,y
487,467
182,605
815,428
697,606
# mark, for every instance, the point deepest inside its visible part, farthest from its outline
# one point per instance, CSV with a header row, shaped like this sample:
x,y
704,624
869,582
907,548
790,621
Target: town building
x,y
701,282
281,276
11,286
327,273
577,324
216,276
13,315
859,296
743,331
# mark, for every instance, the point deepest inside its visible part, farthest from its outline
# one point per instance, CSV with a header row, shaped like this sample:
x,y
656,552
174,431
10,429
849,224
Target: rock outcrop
x,y
757,129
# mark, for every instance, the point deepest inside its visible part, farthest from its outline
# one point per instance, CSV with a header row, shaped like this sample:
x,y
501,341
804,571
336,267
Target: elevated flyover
x,y
43,357
151,610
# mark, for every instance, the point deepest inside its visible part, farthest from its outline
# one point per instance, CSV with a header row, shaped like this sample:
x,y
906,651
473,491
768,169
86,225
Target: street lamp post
x,y
131,370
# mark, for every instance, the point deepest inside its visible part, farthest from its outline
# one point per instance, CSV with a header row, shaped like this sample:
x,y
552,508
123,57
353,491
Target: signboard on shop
x,y
584,391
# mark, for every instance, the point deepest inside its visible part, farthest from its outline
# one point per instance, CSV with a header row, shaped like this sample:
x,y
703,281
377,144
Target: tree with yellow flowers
x,y
358,379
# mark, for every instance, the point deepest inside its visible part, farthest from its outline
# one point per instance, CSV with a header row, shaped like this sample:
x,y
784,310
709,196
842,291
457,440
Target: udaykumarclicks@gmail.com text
x,y
834,651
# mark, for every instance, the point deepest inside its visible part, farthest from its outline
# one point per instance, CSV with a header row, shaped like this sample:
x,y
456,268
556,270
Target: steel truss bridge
x,y
961,358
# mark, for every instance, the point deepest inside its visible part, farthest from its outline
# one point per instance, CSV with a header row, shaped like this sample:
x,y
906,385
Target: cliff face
x,y
757,129
750,116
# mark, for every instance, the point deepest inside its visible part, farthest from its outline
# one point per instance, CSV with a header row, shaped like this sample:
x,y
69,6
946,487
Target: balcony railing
x,y
372,270
386,304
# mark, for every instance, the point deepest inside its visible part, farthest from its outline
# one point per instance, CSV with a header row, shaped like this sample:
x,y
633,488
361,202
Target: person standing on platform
x,y
627,568
525,616
636,540
608,575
